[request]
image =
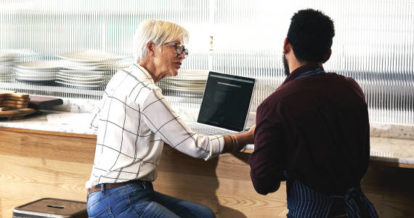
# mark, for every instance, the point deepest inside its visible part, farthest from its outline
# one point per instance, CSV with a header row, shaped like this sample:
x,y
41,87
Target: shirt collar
x,y
141,72
302,69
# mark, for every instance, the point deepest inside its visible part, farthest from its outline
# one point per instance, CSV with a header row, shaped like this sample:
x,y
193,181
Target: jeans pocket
x,y
96,213
93,198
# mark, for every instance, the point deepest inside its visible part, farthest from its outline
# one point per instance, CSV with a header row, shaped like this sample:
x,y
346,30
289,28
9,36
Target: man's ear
x,y
150,48
327,56
286,46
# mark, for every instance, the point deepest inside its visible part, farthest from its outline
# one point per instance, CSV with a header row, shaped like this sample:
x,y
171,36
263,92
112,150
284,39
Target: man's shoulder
x,y
273,101
278,96
347,81
342,77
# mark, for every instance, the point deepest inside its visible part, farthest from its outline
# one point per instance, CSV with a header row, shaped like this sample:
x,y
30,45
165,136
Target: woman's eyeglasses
x,y
179,48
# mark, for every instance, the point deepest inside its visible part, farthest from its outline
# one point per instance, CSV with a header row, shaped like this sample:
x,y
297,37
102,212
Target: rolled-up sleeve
x,y
167,125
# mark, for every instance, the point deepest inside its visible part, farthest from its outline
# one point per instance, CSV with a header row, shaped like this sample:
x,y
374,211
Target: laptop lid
x,y
226,101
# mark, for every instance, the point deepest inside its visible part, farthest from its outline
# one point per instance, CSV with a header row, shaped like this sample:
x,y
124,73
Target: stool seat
x,y
51,207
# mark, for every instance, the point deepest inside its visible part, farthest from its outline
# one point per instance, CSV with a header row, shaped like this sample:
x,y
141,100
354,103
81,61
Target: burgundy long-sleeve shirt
x,y
314,128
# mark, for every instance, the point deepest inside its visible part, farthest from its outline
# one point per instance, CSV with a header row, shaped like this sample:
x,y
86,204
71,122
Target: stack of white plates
x,y
38,71
8,57
88,69
186,83
6,65
82,79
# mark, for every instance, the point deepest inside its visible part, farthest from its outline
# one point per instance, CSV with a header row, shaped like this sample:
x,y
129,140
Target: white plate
x,y
79,85
86,72
99,84
197,90
34,79
185,87
183,93
81,77
46,70
80,80
189,78
183,83
41,65
90,56
193,72
82,74
191,75
35,76
100,67
91,64
36,73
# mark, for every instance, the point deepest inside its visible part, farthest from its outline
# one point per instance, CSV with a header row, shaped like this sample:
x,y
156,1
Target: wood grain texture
x,y
42,144
37,164
24,179
223,184
32,131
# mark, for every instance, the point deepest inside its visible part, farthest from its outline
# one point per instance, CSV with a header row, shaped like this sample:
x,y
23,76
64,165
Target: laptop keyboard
x,y
209,130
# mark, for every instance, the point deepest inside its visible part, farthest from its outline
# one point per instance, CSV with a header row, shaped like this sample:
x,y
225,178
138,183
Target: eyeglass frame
x,y
178,46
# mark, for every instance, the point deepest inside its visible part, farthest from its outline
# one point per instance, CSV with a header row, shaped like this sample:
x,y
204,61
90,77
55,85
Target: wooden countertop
x,y
37,163
389,151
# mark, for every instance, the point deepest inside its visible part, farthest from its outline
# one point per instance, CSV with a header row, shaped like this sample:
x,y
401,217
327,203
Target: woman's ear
x,y
150,48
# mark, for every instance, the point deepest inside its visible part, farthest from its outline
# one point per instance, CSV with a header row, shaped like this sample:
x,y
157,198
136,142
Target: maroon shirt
x,y
316,129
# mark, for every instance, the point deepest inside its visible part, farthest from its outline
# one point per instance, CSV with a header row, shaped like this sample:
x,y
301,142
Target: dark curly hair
x,y
310,34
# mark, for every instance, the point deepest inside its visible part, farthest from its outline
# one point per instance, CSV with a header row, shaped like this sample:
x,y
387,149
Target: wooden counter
x,y
36,164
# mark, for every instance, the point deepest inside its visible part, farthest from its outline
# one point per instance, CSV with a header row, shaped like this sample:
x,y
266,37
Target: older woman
x,y
134,121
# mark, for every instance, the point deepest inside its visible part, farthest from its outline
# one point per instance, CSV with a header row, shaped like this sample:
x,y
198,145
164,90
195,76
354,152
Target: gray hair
x,y
157,31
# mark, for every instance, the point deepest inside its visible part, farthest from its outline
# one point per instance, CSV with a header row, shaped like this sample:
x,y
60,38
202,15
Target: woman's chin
x,y
174,73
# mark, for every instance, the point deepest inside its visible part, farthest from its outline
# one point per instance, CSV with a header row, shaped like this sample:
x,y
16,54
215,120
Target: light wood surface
x,y
37,164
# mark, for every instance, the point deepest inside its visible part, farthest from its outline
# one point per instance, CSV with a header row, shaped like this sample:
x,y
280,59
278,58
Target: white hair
x,y
157,31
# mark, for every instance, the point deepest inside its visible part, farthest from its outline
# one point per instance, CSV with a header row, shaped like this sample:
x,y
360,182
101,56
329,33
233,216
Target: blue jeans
x,y
140,200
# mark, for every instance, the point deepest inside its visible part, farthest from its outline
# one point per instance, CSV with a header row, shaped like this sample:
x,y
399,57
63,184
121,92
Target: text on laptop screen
x,y
226,101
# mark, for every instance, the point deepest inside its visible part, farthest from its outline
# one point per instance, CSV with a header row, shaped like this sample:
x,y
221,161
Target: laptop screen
x,y
226,101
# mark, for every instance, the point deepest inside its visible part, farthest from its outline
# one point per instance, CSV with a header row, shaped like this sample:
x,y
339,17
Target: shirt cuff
x,y
216,147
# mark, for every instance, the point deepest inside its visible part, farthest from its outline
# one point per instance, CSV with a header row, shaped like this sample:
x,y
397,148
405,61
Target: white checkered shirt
x,y
134,120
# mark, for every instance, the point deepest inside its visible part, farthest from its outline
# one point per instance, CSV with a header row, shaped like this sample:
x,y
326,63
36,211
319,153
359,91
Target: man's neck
x,y
295,64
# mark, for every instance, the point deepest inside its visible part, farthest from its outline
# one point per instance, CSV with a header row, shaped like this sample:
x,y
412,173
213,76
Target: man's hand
x,y
234,143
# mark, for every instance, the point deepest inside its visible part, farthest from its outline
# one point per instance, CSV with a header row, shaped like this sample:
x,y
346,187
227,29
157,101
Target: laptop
x,y
225,104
